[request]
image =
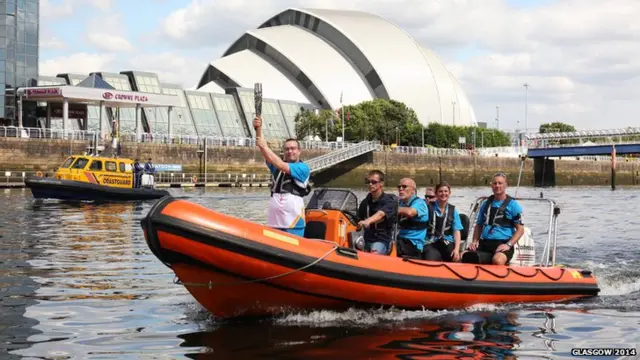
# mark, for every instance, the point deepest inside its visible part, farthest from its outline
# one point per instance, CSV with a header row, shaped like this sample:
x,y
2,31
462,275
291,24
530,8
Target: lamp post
x,y
526,103
497,117
453,107
200,152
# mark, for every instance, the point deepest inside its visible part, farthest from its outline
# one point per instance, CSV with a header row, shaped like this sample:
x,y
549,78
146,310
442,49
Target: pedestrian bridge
x,y
338,156
589,150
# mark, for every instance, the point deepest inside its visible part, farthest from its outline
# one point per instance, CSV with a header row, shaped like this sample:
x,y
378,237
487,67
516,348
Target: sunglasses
x,y
402,187
430,196
371,182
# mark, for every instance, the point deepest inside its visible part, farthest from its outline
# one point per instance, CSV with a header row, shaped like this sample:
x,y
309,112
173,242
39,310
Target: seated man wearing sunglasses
x,y
430,196
414,220
379,211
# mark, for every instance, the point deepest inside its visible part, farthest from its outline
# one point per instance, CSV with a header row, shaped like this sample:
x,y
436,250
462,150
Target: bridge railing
x,y
19,176
542,144
189,177
40,133
428,151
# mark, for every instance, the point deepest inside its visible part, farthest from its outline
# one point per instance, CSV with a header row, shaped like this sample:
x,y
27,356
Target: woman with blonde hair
x,y
443,234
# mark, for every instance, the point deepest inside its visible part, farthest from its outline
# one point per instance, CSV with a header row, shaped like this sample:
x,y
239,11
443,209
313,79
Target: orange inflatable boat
x,y
235,267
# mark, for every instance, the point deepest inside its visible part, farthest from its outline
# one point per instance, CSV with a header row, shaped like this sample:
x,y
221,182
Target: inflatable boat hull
x,y
68,190
235,267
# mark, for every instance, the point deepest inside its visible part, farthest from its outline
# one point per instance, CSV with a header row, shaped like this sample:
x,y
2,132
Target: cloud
x,y
52,43
581,57
79,63
106,33
65,8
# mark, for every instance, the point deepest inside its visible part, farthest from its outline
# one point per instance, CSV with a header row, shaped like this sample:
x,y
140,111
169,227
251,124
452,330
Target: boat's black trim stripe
x,y
330,269
175,257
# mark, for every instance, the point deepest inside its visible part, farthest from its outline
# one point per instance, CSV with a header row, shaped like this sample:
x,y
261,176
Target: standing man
x,y
149,168
414,220
498,227
290,184
137,174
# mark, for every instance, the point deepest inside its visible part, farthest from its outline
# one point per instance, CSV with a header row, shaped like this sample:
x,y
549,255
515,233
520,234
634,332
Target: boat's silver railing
x,y
548,257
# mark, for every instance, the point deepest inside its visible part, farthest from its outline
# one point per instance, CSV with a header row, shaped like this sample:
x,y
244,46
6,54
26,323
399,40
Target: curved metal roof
x,y
323,53
247,68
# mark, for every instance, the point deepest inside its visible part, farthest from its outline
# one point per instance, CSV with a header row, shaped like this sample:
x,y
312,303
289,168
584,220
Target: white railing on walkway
x,y
213,141
164,177
338,156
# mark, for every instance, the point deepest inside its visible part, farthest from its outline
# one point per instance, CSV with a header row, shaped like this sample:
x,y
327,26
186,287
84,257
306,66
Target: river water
x,y
78,281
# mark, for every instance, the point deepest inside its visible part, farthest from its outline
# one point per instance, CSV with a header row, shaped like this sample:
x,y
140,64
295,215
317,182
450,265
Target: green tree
x,y
389,121
556,127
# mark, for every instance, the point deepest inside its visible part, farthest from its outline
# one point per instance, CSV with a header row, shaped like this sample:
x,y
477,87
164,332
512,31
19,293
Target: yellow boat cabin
x,y
107,171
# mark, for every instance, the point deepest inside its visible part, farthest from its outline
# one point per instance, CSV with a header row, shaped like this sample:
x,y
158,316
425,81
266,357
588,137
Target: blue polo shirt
x,y
416,236
512,212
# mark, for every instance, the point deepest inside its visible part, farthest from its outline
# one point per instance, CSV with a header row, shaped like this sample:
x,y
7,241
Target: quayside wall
x,y
47,154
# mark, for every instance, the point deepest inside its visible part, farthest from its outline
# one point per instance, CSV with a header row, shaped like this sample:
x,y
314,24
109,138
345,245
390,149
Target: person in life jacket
x,y
413,220
290,179
430,195
378,211
498,227
443,241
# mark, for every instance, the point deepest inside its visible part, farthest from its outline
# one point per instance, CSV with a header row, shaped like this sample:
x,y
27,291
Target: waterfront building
x,y
305,59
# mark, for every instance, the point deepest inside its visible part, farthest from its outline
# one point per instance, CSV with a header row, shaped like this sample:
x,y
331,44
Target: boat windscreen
x,y
68,162
334,199
80,163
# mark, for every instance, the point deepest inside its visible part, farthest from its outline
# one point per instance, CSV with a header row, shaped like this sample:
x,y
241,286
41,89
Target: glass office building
x,y
19,32
201,113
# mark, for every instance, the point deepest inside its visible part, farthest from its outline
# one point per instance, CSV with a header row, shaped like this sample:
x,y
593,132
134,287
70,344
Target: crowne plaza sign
x,y
108,95
95,96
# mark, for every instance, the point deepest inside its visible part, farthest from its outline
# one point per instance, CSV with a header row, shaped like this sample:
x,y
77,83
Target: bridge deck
x,y
569,151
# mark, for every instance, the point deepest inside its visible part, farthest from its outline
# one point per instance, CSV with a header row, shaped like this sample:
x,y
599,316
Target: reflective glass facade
x,y
201,114
155,118
248,104
181,121
204,116
228,115
127,115
289,111
274,126
19,28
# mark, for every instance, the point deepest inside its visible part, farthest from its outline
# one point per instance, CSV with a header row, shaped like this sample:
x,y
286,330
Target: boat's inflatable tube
x,y
236,267
51,188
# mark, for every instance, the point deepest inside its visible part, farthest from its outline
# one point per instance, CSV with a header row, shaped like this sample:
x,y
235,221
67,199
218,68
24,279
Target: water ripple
x,y
78,281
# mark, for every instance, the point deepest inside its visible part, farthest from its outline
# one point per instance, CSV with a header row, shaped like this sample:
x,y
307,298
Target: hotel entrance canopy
x,y
67,94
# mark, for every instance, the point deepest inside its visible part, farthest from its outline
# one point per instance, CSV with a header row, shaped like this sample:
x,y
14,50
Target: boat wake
x,y
619,284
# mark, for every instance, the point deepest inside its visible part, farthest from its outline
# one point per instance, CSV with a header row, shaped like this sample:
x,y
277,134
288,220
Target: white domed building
x,y
319,56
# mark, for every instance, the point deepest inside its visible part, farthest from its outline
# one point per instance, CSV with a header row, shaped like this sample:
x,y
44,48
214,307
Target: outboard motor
x,y
524,252
147,181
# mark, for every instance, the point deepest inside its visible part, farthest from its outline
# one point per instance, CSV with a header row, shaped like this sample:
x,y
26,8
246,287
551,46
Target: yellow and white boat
x,y
93,178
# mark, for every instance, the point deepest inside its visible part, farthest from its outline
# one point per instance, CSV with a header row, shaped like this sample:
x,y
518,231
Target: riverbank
x,y
46,155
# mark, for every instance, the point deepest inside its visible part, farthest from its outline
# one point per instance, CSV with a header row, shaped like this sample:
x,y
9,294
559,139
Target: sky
x,y
581,58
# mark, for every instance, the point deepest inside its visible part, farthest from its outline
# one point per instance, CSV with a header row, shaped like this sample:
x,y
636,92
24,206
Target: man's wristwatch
x,y
509,244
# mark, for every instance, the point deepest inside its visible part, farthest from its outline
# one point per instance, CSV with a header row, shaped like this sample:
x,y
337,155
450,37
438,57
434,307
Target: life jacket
x,y
412,223
283,183
388,222
497,215
443,223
